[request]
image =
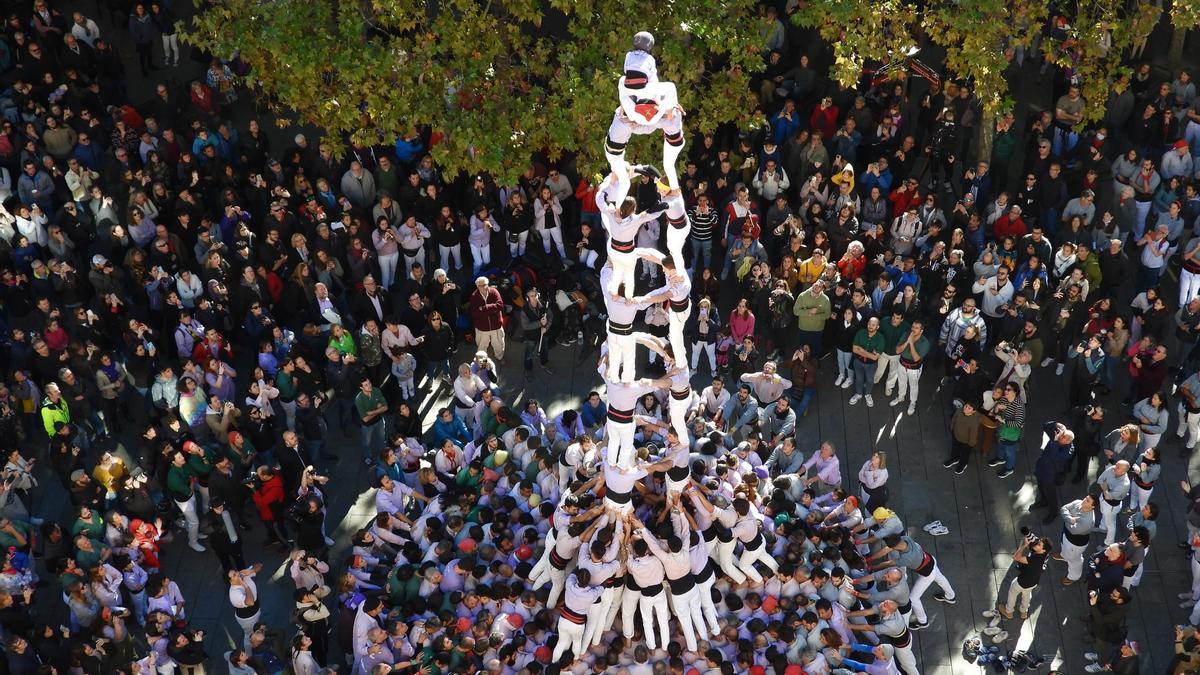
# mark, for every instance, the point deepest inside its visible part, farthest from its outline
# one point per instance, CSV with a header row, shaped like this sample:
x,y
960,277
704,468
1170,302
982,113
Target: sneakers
x,y
1092,656
197,548
847,383
1185,596
912,408
1058,370
1047,361
917,625
996,462
870,401
1004,473
941,597
838,382
1186,604
855,399
948,463
1024,615
895,402
1093,668
1004,611
962,468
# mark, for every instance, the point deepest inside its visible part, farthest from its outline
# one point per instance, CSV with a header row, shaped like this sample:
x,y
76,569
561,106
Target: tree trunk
x,y
1178,38
987,131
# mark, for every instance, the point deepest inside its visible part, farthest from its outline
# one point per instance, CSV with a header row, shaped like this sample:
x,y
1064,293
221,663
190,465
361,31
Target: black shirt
x,y
1029,574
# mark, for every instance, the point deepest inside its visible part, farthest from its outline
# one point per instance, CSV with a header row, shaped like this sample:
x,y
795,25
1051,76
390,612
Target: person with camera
x,y
1031,556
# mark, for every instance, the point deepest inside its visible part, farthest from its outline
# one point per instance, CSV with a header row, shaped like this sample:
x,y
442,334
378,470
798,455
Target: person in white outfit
x,y
605,569
908,554
622,222
644,592
748,530
547,220
581,595
1079,521
619,428
483,224
677,293
646,105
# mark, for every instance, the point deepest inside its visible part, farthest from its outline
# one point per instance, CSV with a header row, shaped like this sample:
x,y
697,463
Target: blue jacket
x,y
1054,458
455,430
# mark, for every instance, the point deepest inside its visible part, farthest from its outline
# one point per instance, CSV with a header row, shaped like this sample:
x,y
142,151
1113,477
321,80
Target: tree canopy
x,y
976,33
496,81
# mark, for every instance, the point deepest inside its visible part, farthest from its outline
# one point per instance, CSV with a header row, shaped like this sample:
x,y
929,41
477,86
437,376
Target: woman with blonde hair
x,y
872,481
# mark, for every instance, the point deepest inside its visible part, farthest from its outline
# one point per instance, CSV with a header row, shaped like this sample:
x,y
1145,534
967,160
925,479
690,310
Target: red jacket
x,y
825,121
1008,226
487,311
902,199
853,268
585,192
267,496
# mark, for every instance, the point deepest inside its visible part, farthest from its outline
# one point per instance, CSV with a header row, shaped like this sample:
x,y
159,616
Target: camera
x,y
1029,535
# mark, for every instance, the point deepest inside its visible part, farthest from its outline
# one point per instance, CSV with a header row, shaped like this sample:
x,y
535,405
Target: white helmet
x,y
643,41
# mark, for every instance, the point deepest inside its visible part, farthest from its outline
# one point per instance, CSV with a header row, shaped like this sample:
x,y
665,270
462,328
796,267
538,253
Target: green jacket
x,y
1091,270
893,335
812,322
179,478
53,413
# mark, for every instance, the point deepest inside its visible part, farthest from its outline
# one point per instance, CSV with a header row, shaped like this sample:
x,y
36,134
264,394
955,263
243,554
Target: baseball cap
x,y
77,475
516,621
467,545
99,260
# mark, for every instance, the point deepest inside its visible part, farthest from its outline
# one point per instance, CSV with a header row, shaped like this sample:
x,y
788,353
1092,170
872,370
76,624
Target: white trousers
x,y
677,236
493,338
598,616
1189,286
887,366
691,619
387,269
922,584
906,660
707,608
653,608
677,411
451,253
1189,425
1195,591
908,382
1139,496
624,272
750,556
570,636
676,322
707,347
620,443
622,357
481,255
1108,520
188,509
553,234
558,581
1018,593
543,562
1073,555
622,129
516,248
170,47
728,564
248,627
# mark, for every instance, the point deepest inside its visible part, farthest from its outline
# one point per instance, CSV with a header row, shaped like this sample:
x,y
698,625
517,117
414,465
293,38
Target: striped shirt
x,y
702,223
